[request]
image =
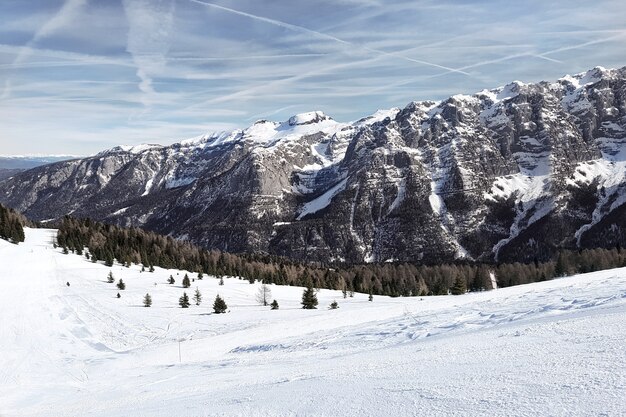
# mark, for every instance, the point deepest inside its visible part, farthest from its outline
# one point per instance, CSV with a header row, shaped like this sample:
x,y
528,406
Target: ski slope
x,y
555,348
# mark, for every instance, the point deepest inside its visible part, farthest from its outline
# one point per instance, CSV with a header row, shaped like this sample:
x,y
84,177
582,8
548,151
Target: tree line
x,y
12,225
108,243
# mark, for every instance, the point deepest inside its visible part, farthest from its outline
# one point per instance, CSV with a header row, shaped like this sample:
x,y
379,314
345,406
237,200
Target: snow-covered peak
x,y
261,129
510,90
133,149
212,140
585,78
378,116
308,118
461,99
266,133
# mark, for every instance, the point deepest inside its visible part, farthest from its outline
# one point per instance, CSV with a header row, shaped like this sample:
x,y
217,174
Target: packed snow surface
x,y
555,348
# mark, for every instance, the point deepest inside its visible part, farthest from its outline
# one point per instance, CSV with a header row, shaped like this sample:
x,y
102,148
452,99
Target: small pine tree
x,y
200,275
371,296
459,287
110,278
171,280
147,300
121,285
143,268
560,268
197,297
221,280
186,282
151,268
309,299
219,305
184,301
118,295
333,305
274,305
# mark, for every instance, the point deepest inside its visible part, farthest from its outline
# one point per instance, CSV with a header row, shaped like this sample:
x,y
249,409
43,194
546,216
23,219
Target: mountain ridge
x,y
510,173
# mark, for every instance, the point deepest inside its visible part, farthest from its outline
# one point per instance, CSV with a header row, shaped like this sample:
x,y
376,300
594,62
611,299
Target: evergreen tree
x,y
171,280
147,300
459,287
219,305
186,282
151,268
184,301
118,295
197,297
121,285
309,299
110,278
560,269
274,305
11,225
371,296
221,280
334,305
200,275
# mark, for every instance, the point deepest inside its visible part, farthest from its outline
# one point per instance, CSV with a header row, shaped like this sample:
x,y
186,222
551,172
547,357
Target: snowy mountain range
x,y
505,174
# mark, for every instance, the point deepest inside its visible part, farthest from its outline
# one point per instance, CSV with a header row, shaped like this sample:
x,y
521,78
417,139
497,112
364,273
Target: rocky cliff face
x,y
506,174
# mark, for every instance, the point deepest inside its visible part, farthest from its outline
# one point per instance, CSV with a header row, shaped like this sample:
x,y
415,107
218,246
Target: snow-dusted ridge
x,y
262,132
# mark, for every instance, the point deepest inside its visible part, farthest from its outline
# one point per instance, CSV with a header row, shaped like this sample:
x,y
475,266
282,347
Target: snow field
x,y
554,348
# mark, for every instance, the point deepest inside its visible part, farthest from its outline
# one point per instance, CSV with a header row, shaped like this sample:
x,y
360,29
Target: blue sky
x,y
78,76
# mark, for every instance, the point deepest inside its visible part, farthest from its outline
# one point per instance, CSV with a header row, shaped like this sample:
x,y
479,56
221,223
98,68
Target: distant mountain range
x,y
11,165
505,174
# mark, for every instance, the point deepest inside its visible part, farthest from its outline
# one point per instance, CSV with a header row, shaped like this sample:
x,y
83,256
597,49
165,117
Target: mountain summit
x,y
505,174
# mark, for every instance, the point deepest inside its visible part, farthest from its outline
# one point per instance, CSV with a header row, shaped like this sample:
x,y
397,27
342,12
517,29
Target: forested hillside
x,y
111,243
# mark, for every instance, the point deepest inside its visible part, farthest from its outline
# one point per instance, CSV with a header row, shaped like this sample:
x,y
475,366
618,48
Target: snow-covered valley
x,y
554,348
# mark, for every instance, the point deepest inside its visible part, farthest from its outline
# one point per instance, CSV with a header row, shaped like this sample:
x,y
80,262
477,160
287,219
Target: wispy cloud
x,y
158,71
150,24
68,12
326,36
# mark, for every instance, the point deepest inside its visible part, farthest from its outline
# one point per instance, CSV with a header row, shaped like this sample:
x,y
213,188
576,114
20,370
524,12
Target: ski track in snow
x,y
553,348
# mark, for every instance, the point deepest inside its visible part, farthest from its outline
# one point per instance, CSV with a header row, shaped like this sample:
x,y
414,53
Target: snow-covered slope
x,y
553,348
